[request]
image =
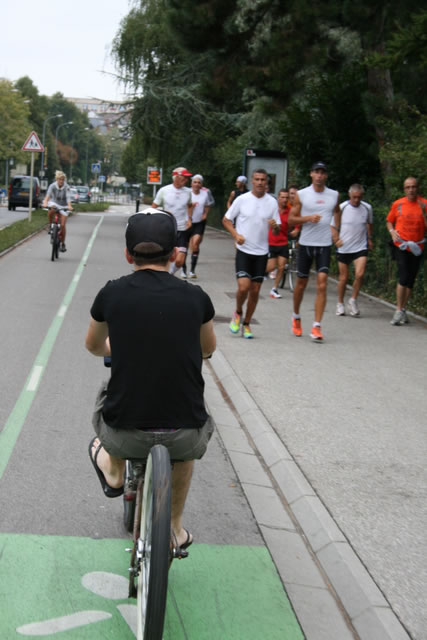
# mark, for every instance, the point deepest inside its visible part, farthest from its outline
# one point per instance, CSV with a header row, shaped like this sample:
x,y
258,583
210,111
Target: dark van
x,y
19,192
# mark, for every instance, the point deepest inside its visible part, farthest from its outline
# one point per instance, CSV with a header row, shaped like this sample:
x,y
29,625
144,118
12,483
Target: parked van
x,y
19,192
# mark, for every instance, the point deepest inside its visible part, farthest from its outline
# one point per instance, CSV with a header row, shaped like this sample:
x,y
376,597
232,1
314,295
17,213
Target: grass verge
x,y
22,229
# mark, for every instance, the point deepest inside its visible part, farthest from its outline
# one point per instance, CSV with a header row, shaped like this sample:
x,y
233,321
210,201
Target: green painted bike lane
x,y
76,589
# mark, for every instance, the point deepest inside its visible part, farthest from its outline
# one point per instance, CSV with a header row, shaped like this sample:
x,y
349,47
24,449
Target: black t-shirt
x,y
154,322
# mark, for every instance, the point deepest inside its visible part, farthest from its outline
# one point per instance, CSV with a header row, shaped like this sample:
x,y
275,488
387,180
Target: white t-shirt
x,y
201,200
175,201
251,215
317,234
353,231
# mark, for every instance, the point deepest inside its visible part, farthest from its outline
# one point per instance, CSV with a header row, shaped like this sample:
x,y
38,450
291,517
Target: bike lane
x,y
74,585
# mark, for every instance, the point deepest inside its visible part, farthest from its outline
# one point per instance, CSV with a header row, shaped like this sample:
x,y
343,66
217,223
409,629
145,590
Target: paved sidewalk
x,y
315,437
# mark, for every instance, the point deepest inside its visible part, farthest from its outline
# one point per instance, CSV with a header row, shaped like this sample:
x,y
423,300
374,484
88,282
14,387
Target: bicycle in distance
x,y
291,267
55,232
147,515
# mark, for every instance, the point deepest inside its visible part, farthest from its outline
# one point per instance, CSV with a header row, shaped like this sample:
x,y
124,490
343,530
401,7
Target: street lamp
x,y
63,124
87,149
57,115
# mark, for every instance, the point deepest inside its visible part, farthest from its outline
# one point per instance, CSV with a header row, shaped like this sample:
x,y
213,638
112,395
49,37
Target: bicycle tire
x,y
55,243
128,505
154,545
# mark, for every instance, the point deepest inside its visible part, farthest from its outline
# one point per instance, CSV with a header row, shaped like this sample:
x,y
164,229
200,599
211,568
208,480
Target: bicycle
x,y
55,234
148,498
291,267
147,514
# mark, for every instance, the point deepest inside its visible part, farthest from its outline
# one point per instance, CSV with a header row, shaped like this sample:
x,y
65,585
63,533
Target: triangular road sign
x,y
32,143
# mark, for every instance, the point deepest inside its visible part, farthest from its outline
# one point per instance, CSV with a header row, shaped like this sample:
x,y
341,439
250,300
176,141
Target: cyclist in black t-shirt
x,y
157,330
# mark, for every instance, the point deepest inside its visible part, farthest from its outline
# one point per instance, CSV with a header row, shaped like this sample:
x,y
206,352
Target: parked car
x,y
84,194
19,192
74,195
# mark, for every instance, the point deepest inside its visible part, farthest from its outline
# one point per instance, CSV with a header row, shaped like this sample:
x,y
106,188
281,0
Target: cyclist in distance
x,y
157,330
58,197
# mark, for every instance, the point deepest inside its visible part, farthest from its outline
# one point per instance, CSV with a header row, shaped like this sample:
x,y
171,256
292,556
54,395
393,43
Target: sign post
x,y
154,177
32,144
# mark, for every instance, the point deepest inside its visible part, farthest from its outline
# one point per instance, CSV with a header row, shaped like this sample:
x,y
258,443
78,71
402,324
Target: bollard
x,y
137,206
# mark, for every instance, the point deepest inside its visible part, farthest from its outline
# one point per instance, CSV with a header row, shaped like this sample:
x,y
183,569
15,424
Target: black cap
x,y
151,225
319,165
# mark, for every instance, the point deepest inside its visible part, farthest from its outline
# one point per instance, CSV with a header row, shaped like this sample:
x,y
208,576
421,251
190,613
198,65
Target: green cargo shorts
x,y
183,444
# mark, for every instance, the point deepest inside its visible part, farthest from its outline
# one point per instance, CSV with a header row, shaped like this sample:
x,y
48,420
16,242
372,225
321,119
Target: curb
x,y
332,592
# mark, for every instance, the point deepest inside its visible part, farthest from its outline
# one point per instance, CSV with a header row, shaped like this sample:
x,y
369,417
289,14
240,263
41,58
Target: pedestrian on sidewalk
x,y
354,225
314,209
200,202
278,250
176,198
241,188
253,213
407,224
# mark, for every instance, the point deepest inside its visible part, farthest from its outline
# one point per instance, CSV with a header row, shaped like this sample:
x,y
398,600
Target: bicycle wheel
x,y
54,238
153,547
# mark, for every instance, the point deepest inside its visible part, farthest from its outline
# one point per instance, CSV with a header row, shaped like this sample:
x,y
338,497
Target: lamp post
x,y
57,115
63,124
87,149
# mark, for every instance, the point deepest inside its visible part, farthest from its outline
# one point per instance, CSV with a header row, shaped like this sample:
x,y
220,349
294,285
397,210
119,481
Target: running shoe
x,y
398,318
296,327
63,248
340,309
192,275
235,323
316,334
246,331
183,275
353,307
274,293
405,316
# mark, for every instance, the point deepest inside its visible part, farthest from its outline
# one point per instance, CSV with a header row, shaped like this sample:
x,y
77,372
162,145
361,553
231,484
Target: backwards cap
x,y
151,225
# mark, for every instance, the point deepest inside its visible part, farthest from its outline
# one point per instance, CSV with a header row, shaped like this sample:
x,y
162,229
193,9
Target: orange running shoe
x,y
296,327
316,334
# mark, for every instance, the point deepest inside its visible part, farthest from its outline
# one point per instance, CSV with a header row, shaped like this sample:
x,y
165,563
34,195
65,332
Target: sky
x,y
62,46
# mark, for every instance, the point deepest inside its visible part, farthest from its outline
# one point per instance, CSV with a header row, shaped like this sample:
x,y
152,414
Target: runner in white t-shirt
x,y
200,201
253,213
176,198
355,225
314,209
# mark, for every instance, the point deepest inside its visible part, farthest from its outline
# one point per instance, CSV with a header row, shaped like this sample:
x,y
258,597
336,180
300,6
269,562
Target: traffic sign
x,y
101,179
154,175
33,143
96,167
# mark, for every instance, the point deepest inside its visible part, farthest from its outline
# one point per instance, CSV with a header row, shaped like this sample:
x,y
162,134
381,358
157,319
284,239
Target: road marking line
x,y
62,310
35,377
18,415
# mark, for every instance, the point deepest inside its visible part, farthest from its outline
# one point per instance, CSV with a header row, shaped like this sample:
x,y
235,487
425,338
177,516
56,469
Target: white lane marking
x,y
55,625
105,584
35,377
62,311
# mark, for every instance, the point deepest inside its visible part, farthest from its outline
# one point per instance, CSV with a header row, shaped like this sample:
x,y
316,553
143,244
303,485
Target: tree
x,y
14,123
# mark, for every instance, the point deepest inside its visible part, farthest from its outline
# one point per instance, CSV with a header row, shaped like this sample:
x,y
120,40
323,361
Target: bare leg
x,y
320,302
281,264
243,286
252,300
299,293
181,479
359,272
402,295
63,225
180,259
342,281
